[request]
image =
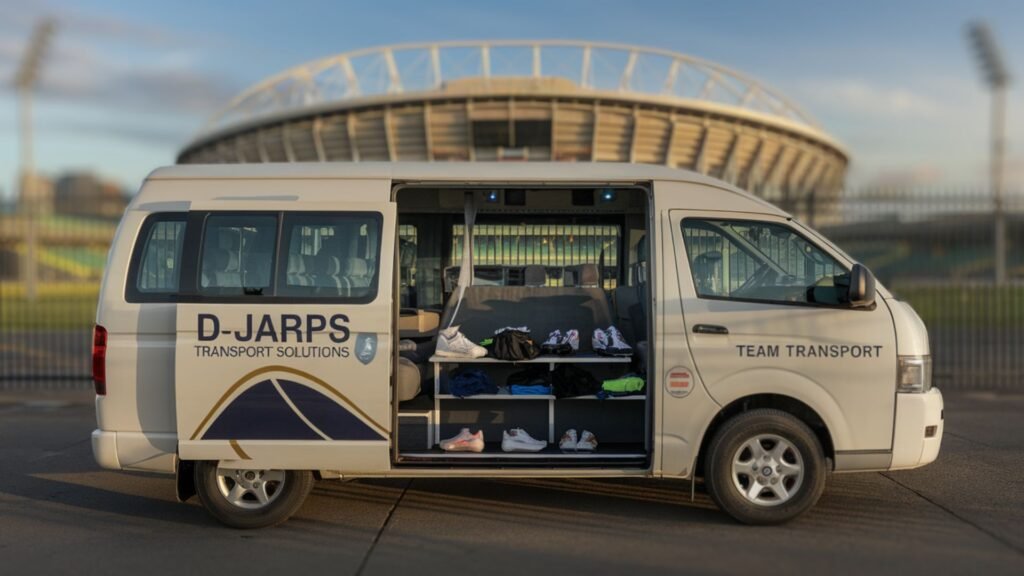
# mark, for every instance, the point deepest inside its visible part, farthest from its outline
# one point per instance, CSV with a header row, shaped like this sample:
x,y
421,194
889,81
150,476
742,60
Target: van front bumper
x,y
919,425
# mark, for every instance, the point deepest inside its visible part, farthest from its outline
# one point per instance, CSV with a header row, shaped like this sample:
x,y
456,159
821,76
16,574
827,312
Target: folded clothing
x,y
628,384
470,382
530,389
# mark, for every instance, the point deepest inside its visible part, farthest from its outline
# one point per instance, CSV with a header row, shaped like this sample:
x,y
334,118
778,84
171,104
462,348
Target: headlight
x,y
914,374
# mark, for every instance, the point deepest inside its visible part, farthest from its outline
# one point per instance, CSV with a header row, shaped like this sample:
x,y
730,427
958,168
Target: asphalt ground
x,y
60,513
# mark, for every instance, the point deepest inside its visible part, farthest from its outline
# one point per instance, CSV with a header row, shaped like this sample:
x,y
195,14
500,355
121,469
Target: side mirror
x,y
862,287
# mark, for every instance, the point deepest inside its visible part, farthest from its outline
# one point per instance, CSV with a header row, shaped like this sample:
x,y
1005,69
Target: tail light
x,y
99,360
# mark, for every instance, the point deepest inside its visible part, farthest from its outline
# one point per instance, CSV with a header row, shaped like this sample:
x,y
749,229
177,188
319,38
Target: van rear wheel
x,y
251,498
765,467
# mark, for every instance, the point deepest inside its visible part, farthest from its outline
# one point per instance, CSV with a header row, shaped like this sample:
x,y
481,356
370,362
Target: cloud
x,y
855,96
104,61
904,177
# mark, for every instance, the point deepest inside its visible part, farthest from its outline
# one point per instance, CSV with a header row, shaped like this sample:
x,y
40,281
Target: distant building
x,y
563,101
85,194
35,193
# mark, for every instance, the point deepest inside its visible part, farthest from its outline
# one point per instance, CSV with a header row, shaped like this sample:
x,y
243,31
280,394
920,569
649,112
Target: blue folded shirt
x,y
529,390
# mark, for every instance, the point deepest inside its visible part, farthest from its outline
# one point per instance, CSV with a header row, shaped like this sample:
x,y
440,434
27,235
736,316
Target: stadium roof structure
x,y
530,100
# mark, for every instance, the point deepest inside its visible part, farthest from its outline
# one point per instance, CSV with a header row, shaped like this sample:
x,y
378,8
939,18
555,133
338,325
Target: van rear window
x,y
158,269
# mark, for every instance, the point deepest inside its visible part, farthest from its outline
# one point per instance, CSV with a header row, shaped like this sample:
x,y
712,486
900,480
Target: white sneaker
x,y
616,345
555,344
572,338
588,442
453,344
517,440
568,441
464,441
599,341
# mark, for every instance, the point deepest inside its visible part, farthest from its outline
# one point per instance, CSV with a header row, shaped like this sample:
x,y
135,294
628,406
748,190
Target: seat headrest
x,y
296,264
354,267
326,264
535,275
590,276
220,260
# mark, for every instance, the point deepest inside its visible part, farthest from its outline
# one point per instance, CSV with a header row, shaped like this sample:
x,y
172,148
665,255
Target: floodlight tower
x,y
997,78
25,82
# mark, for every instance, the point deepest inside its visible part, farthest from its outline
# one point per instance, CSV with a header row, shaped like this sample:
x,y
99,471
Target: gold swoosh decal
x,y
348,403
238,450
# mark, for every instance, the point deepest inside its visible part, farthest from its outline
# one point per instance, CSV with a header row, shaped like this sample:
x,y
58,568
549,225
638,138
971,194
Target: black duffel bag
x,y
569,381
514,345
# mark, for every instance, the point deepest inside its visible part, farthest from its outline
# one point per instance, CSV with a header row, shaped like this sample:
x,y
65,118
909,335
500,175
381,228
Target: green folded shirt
x,y
624,384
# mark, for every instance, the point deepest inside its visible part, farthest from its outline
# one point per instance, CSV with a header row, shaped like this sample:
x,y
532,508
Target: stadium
x,y
515,100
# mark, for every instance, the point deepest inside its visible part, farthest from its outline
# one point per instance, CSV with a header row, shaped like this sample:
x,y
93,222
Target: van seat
x,y
534,275
220,269
326,276
296,271
485,309
355,272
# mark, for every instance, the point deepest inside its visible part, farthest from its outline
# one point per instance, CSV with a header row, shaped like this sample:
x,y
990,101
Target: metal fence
x,y
934,249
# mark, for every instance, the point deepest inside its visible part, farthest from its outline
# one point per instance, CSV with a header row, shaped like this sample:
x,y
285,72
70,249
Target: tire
x,y
251,498
789,475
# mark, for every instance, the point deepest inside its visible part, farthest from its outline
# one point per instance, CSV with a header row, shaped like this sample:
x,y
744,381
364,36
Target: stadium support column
x,y
30,204
997,78
25,81
998,151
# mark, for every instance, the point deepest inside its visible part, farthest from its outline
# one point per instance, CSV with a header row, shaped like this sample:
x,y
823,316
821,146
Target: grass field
x,y
967,306
65,306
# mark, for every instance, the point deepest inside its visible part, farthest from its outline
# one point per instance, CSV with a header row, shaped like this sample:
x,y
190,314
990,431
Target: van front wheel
x,y
765,467
251,498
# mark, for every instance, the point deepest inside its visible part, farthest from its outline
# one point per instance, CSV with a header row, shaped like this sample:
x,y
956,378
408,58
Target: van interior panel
x,y
541,257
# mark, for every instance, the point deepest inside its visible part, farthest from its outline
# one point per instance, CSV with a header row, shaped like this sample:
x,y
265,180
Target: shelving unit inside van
x,y
448,403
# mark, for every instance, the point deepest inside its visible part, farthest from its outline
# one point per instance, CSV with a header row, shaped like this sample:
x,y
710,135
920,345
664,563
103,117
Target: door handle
x,y
710,329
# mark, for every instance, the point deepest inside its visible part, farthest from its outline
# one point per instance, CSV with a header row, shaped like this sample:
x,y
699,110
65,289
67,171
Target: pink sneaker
x,y
464,441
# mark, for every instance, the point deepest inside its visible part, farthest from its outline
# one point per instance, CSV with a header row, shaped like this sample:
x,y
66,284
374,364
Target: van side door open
x,y
765,314
283,356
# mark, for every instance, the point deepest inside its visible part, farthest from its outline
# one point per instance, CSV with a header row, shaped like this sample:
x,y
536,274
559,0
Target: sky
x,y
127,84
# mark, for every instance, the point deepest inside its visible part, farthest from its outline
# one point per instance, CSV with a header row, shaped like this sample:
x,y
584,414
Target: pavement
x,y
961,515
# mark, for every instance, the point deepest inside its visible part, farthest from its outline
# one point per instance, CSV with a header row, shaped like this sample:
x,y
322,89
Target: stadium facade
x,y
532,101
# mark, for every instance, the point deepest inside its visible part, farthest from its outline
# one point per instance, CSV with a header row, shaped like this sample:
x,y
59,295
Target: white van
x,y
260,326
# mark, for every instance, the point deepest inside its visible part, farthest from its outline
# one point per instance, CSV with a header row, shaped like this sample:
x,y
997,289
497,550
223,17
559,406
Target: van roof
x,y
458,172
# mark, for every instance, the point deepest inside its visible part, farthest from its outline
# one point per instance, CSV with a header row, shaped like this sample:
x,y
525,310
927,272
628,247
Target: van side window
x,y
237,255
760,261
159,256
332,256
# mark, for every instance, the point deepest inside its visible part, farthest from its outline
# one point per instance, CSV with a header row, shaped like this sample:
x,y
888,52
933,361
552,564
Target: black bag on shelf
x,y
514,345
532,376
569,380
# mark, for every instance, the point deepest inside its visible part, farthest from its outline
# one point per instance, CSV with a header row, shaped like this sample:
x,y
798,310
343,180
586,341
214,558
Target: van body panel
x,y
292,382
854,397
686,411
765,351
911,334
140,346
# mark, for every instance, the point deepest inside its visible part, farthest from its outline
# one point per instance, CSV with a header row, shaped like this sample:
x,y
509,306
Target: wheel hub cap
x,y
250,489
767,470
